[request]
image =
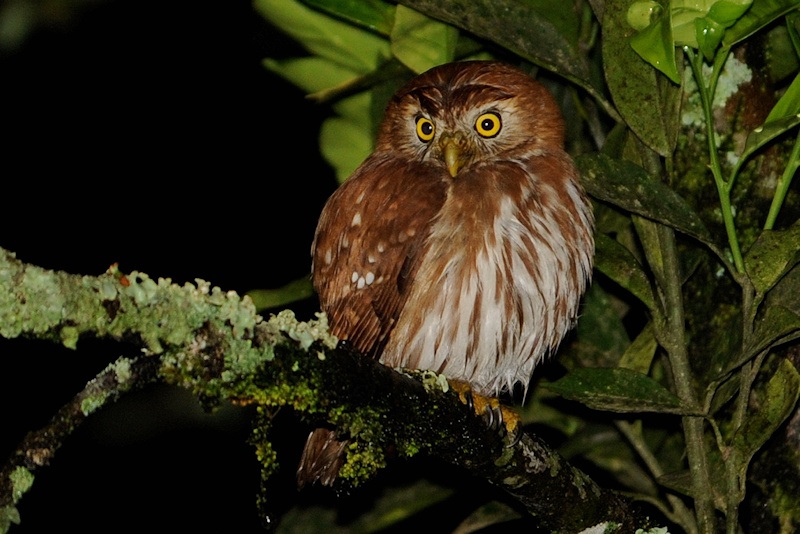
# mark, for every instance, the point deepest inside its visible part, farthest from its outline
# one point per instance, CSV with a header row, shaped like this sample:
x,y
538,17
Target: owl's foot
x,y
491,410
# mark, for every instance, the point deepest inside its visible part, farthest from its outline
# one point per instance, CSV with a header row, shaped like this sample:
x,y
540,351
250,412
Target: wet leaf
x,y
629,187
781,395
655,44
788,105
617,390
616,262
760,14
646,99
766,133
420,42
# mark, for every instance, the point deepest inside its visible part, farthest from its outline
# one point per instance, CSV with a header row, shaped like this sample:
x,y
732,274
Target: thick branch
x,y
216,345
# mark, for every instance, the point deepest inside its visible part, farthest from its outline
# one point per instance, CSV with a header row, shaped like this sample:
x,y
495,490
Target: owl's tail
x,y
322,458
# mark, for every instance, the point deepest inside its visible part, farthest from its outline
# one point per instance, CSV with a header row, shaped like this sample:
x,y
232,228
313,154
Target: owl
x,y
462,244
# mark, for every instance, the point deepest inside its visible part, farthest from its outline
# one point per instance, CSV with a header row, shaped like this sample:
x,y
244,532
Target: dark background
x,y
149,134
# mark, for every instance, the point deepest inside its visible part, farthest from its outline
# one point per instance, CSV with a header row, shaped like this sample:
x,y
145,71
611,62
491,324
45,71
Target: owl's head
x,y
462,114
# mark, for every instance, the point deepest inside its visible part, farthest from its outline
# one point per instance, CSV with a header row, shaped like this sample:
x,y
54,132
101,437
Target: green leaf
x,y
388,508
787,291
617,390
526,29
710,29
709,35
324,36
655,44
726,12
601,335
648,101
276,298
639,355
375,15
629,187
421,43
311,74
766,133
788,105
616,262
344,145
680,482
776,323
772,255
8,514
780,398
760,14
793,28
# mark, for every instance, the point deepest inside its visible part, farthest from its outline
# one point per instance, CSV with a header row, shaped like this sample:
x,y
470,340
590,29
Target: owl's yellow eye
x,y
425,129
488,125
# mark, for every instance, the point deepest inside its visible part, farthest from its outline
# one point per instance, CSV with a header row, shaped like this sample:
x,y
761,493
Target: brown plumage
x,y
462,244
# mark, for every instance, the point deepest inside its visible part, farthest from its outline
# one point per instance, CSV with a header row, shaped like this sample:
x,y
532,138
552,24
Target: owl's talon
x,y
469,400
497,416
515,436
488,416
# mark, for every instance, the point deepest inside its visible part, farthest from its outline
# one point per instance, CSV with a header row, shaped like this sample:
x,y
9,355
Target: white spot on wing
x,y
354,277
356,219
370,278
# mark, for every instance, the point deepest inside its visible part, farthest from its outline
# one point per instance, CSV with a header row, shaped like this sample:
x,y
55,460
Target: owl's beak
x,y
455,152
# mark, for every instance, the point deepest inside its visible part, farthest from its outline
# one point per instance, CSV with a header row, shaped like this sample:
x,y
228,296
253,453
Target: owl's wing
x,y
369,239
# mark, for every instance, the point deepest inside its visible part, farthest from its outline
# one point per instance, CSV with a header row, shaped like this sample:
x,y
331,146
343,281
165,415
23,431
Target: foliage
x,y
684,349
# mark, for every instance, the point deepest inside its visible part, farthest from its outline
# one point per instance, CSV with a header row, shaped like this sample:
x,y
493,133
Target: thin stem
x,y
783,185
723,187
671,333
679,360
681,514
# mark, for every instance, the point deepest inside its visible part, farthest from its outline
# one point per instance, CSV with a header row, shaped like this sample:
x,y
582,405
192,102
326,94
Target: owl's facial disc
x,y
456,151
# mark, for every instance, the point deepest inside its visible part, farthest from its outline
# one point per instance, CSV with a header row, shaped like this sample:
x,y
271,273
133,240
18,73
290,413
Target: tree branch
x,y
214,344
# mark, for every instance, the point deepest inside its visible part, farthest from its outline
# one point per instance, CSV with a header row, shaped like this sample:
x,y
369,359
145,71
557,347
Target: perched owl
x,y
462,244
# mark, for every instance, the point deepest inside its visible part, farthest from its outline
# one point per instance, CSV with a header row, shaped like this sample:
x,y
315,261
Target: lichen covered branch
x,y
213,343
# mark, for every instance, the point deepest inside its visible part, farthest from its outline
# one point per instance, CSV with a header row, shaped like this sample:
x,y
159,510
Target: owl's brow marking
x,y
430,105
475,95
443,96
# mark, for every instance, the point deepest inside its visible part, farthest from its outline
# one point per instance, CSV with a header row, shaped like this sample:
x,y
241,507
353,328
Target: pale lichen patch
x,y
431,380
92,402
122,370
21,481
305,333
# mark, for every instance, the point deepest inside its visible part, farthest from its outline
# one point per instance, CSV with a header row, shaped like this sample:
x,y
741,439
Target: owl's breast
x,y
497,286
